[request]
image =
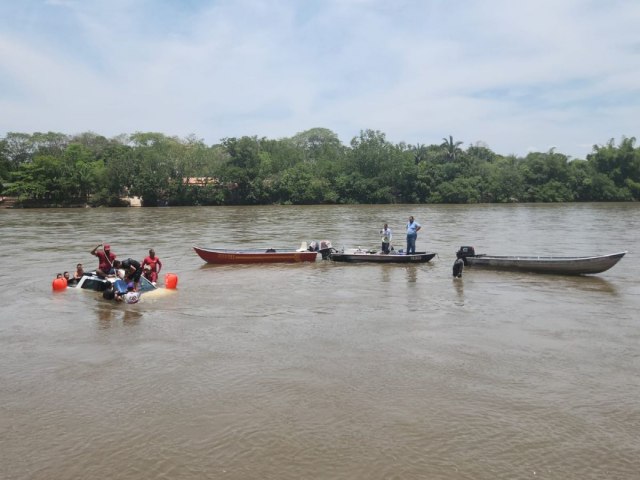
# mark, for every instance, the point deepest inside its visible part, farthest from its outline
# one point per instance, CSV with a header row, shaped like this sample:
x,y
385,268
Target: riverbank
x,y
8,202
14,202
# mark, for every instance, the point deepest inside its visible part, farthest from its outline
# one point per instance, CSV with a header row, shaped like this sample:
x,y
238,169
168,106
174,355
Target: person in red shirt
x,y
151,266
105,259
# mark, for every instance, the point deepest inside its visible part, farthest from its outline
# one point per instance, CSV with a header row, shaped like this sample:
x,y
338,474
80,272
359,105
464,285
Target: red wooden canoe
x,y
228,256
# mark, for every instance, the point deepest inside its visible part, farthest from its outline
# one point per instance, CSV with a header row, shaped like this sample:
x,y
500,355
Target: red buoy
x,y
59,284
171,281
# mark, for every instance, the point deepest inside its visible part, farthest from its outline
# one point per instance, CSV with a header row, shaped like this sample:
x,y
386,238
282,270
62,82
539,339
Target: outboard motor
x,y
325,249
465,252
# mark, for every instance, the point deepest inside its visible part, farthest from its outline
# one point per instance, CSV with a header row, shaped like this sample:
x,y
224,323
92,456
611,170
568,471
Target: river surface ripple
x,y
323,371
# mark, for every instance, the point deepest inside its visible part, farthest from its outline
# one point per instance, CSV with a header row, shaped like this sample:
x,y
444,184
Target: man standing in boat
x,y
105,259
412,234
386,238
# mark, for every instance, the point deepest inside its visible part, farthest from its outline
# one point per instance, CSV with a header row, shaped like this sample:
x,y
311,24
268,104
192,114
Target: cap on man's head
x,y
106,246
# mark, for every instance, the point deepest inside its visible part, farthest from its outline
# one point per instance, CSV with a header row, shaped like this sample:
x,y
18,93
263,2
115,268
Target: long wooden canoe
x,y
268,255
560,265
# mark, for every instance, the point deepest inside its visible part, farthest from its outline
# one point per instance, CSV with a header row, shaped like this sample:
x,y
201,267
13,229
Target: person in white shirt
x,y
386,238
131,296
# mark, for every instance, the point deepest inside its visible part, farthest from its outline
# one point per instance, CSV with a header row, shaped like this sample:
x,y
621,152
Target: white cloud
x,y
511,74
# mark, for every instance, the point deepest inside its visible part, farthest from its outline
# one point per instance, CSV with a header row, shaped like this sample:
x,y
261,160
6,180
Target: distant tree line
x,y
312,167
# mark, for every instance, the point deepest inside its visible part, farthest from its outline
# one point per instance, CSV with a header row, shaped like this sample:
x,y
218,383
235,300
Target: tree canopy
x,y
312,167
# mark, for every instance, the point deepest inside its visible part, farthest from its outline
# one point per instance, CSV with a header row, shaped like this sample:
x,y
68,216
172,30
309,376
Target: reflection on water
x,y
131,317
585,283
109,313
591,283
105,315
412,273
385,273
458,285
321,370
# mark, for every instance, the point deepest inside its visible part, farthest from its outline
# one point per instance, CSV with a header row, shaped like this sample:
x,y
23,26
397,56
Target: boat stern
x,y
465,252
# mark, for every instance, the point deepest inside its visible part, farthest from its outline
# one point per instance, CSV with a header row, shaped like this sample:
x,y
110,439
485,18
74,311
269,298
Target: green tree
x,y
241,171
82,171
5,164
155,162
18,149
546,176
298,185
41,179
620,163
505,181
459,190
370,154
451,149
322,148
120,171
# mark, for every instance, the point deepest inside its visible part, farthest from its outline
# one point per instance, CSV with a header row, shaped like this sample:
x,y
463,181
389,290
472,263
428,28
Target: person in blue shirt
x,y
412,234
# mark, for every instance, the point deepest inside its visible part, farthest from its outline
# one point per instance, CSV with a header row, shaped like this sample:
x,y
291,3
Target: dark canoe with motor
x,y
364,256
584,265
270,255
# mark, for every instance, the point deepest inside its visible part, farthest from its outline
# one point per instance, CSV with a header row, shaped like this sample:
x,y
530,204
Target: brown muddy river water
x,y
323,370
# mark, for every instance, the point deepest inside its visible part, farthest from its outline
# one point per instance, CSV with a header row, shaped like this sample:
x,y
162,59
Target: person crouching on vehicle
x,y
106,259
132,270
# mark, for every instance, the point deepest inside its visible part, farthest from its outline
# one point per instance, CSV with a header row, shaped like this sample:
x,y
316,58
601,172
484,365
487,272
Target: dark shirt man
x,y
132,269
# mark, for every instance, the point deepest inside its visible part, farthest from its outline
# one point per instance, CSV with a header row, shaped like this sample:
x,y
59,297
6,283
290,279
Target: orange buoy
x,y
59,284
170,281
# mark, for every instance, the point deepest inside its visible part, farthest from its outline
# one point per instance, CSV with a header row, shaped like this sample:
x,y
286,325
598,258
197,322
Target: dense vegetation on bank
x,y
312,167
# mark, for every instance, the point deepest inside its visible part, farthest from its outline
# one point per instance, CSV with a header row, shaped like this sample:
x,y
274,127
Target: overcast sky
x,y
516,75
